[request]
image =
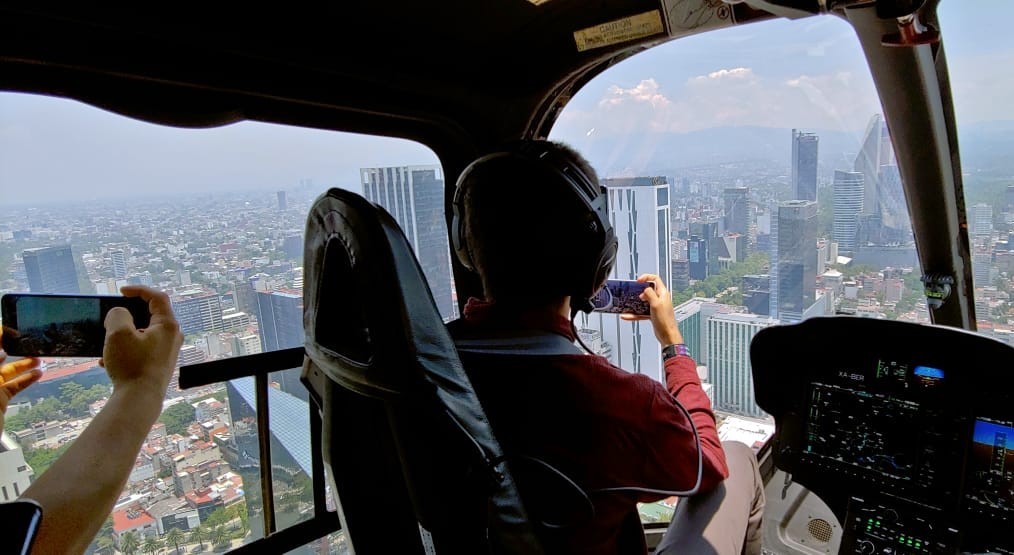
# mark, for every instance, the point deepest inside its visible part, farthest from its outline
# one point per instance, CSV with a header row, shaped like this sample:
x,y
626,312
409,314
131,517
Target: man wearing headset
x,y
532,221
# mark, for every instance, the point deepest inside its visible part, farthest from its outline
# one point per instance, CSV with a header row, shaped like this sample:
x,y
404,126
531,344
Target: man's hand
x,y
663,319
15,377
141,361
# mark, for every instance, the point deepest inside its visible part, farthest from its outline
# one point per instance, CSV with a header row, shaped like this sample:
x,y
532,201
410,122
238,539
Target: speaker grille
x,y
820,529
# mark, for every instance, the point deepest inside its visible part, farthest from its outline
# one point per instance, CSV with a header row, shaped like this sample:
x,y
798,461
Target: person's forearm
x,y
684,385
78,492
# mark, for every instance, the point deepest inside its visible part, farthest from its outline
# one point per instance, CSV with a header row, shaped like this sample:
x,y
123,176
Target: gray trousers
x,y
726,520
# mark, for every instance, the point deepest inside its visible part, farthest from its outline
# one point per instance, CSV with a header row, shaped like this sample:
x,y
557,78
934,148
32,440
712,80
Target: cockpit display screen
x,y
869,421
990,478
874,432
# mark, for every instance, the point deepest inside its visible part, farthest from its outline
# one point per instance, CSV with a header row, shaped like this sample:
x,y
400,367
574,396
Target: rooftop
x,y
130,518
59,373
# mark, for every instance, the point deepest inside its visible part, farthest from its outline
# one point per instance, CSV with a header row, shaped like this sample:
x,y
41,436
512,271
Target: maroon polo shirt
x,y
599,424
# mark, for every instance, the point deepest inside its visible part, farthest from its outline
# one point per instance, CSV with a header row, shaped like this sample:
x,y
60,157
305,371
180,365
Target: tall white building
x,y
639,213
119,262
728,346
15,474
982,220
249,344
848,204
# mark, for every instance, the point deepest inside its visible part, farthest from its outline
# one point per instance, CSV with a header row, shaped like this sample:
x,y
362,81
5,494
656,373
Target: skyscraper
x,y
737,210
292,245
119,262
773,257
680,274
883,194
414,196
982,220
797,258
804,165
697,254
280,319
283,205
728,345
198,311
280,322
868,162
639,212
757,294
848,205
51,270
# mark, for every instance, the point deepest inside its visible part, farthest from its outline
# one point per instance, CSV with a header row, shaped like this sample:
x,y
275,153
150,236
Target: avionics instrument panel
x,y
913,447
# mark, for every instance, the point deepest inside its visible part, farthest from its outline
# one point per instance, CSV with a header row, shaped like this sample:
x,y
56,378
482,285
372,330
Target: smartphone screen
x,y
620,296
21,523
62,325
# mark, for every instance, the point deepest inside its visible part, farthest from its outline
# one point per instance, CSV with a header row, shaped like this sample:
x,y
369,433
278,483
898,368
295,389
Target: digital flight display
x,y
872,419
929,373
990,478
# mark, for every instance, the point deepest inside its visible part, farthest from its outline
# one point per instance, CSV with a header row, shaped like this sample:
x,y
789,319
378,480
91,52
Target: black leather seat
x,y
405,440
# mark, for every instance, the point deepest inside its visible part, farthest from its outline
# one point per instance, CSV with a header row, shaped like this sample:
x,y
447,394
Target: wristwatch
x,y
674,350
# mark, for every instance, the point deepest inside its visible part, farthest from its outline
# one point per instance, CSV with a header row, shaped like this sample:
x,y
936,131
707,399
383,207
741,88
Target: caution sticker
x,y
620,30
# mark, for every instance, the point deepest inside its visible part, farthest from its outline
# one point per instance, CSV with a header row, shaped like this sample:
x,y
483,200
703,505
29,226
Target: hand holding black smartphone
x,y
62,325
621,296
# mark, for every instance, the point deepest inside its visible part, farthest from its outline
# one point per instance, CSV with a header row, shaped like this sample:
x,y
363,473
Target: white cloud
x,y
734,96
646,91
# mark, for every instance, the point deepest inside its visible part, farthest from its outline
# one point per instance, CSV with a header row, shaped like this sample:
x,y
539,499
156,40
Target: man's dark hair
x,y
527,229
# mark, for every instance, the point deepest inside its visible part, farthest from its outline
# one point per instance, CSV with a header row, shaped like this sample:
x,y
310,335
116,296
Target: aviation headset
x,y
556,168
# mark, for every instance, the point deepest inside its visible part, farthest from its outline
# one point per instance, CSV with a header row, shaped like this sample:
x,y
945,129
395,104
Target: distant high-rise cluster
x,y
414,196
51,270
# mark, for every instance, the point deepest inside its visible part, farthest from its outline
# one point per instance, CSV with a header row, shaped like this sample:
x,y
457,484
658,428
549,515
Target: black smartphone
x,y
21,520
621,296
62,325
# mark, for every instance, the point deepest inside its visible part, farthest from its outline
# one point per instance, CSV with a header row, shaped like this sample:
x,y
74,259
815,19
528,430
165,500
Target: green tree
x,y
151,546
177,417
732,276
197,534
218,517
219,537
174,537
129,543
44,410
41,459
104,544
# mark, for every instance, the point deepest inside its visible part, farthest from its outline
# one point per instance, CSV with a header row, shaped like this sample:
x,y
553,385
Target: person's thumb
x,y
650,295
119,320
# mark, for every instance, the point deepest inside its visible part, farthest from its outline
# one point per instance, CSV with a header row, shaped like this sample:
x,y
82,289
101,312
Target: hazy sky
x,y
807,73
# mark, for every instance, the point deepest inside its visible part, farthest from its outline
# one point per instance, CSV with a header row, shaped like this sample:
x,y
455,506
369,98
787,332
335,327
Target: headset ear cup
x,y
458,240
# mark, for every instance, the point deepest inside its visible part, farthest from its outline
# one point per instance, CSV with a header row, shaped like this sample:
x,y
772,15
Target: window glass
x,y
986,135
784,197
92,201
